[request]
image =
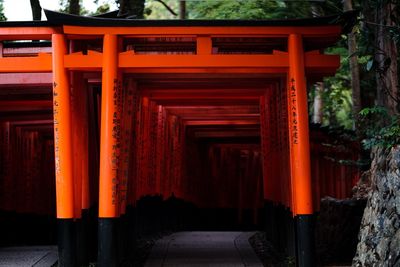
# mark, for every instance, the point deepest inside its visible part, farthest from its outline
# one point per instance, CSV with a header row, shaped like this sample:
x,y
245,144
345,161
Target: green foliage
x,y
2,16
101,8
336,97
260,9
249,9
379,128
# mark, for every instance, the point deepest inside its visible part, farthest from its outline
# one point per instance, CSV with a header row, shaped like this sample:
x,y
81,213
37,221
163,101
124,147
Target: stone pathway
x,y
43,256
228,249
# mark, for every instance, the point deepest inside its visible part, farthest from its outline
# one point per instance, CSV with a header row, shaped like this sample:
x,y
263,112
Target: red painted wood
x,y
172,127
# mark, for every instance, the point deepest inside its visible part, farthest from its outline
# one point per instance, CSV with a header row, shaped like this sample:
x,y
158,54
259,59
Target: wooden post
x,y
300,151
63,153
127,138
86,203
76,126
110,135
159,149
6,184
81,172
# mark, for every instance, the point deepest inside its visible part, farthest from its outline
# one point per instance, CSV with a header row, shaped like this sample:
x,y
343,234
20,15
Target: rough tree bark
x,y
354,69
36,10
386,58
182,9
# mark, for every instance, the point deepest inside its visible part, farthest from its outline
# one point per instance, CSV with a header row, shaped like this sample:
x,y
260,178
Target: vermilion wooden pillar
x,y
6,183
126,131
159,149
110,138
265,146
77,138
80,149
63,153
300,151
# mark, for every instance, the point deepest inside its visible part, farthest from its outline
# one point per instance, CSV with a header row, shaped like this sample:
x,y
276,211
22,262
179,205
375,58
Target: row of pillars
x,y
119,105
72,189
285,142
111,181
26,182
331,172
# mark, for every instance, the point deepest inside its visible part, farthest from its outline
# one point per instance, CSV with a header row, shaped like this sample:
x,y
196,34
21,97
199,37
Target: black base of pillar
x,y
305,240
66,243
107,246
122,237
290,231
269,219
82,238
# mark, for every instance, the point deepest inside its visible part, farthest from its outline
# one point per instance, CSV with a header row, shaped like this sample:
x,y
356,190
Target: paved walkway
x,y
43,256
228,249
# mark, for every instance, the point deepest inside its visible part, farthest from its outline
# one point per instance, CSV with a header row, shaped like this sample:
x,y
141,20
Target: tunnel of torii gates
x,y
161,85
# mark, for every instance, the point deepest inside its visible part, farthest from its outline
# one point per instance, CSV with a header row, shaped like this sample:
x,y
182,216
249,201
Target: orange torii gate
x,y
290,51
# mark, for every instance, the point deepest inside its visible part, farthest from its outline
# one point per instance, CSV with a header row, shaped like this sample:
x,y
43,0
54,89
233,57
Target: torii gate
x,y
296,56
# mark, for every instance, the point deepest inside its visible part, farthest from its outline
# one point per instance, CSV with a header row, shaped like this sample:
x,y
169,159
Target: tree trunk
x,y
36,10
74,7
131,8
393,78
354,69
386,59
391,51
318,103
182,9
